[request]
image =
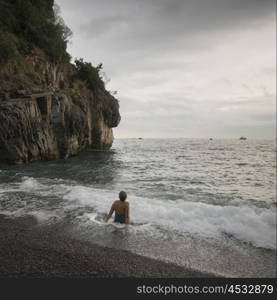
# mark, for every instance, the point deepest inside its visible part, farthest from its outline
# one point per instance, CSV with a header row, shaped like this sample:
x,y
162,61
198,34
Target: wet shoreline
x,y
31,250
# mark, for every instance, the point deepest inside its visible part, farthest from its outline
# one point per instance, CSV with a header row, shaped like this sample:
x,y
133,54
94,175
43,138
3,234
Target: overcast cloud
x,y
183,68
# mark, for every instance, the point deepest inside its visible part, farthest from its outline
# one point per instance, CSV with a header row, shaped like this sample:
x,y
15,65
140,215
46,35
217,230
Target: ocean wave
x,y
247,223
250,224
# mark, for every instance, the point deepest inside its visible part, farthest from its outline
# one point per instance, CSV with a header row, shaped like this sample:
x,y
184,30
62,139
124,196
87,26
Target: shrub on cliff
x,y
35,23
8,47
89,74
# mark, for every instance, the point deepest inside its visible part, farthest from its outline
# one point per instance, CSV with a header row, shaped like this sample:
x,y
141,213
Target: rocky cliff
x,y
48,112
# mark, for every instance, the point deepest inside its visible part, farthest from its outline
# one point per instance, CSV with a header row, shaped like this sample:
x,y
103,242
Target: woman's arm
x,y
110,213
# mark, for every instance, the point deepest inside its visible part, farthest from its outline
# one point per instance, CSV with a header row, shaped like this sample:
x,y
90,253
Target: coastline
x,y
27,250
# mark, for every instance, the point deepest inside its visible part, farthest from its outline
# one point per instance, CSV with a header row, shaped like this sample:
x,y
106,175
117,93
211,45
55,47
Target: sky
x,y
182,68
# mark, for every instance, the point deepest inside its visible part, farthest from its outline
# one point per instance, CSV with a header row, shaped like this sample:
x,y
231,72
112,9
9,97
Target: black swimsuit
x,y
119,218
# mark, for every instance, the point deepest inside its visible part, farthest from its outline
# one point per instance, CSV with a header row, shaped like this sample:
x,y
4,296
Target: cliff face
x,y
51,126
54,123
45,114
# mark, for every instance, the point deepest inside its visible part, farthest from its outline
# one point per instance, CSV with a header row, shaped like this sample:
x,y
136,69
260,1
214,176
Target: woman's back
x,y
120,206
121,209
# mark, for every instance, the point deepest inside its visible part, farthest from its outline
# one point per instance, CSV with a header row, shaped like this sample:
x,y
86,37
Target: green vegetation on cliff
x,y
26,24
34,28
89,74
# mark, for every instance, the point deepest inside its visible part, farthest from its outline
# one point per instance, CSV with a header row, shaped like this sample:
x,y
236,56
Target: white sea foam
x,y
250,224
246,223
41,216
29,184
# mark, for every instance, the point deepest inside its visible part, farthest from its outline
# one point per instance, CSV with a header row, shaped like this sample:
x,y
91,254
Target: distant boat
x,y
140,138
243,138
211,139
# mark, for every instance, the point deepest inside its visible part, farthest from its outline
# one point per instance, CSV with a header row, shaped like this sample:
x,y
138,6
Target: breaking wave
x,y
247,223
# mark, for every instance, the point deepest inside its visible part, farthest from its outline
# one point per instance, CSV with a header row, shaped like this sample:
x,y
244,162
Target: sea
x,y
207,205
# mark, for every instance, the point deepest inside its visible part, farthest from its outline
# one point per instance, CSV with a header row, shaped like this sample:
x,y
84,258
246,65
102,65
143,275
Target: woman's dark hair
x,y
122,196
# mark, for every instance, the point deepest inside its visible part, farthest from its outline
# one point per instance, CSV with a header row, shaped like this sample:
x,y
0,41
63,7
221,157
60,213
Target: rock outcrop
x,y
50,116
50,108
54,125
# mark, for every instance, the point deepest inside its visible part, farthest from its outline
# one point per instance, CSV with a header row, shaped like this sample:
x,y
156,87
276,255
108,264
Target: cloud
x,y
102,25
183,67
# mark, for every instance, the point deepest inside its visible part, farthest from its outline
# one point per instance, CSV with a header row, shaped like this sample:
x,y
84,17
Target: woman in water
x,y
121,208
